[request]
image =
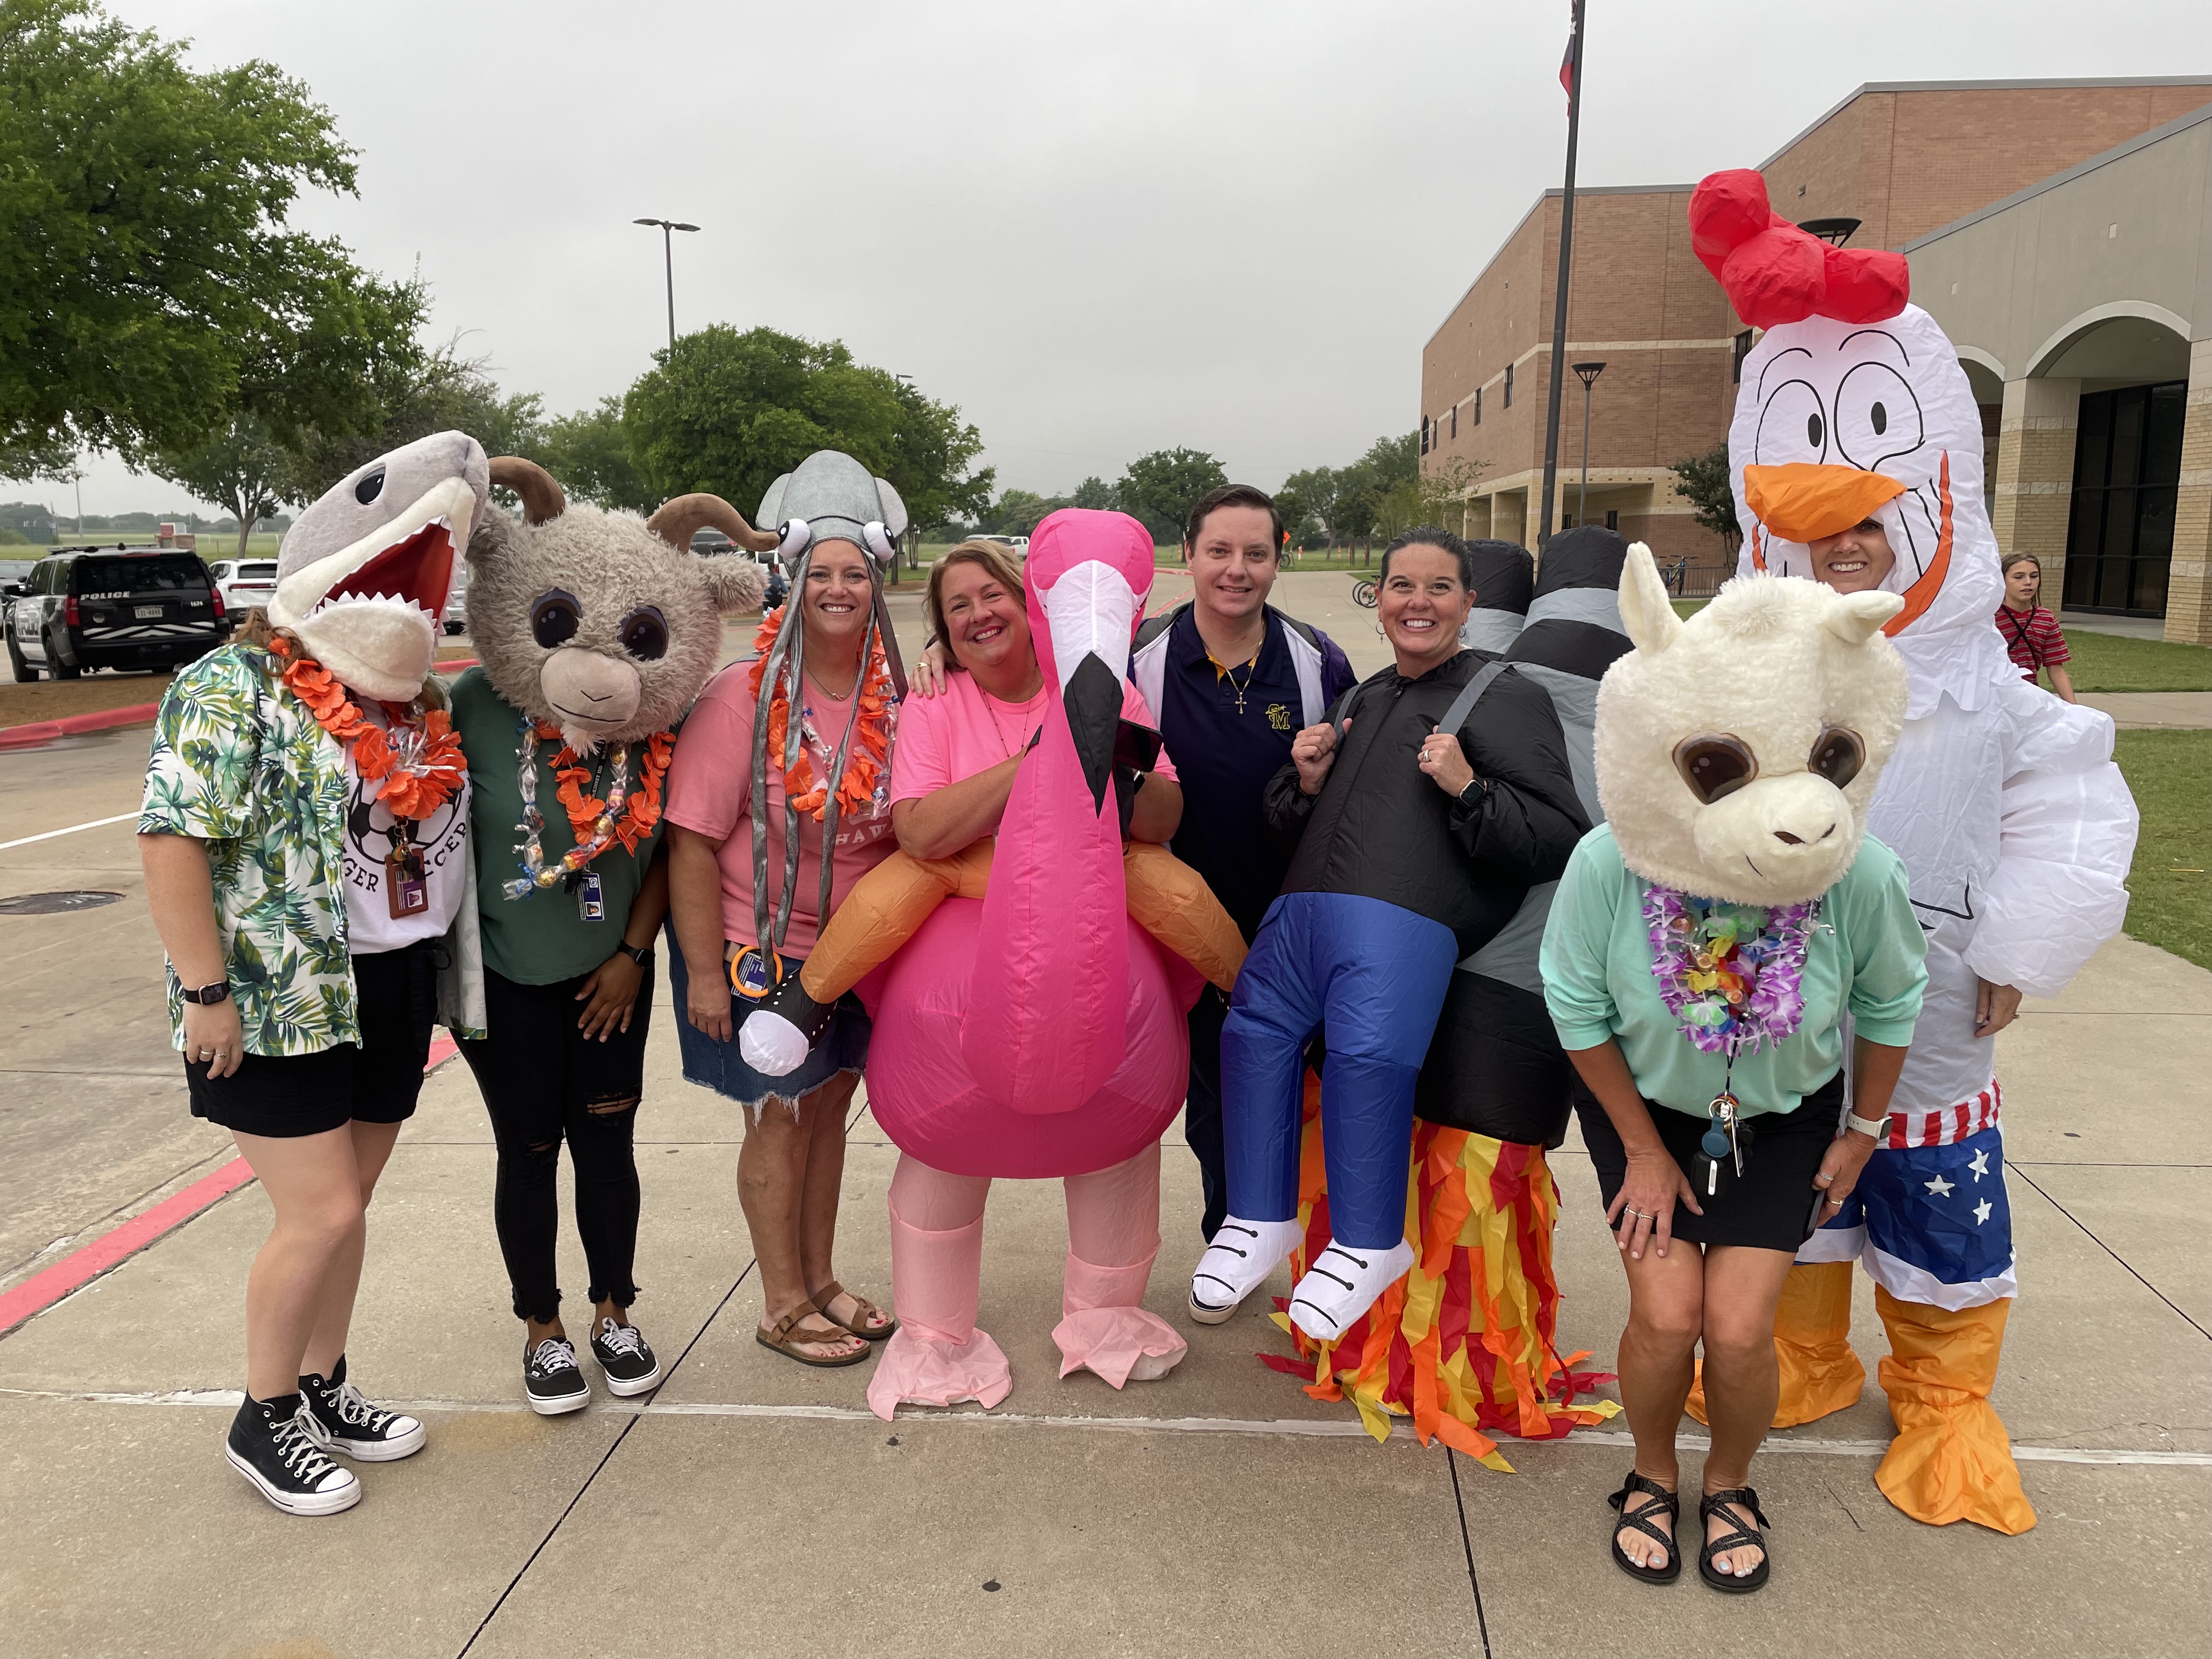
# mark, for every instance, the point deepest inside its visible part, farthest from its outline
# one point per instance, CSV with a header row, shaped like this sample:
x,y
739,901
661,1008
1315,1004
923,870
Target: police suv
x,y
113,607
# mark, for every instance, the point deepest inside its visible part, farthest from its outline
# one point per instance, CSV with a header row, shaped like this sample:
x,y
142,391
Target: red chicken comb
x,y
1775,273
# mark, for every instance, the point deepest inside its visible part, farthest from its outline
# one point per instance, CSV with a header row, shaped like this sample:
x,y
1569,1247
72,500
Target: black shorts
x,y
1770,1207
376,1081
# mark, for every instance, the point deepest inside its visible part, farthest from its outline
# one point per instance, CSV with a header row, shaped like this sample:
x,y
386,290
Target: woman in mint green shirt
x,y
1647,1102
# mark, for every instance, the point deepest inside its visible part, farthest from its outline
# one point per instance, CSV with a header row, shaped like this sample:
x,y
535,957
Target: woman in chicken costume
x,y
1038,1031
1856,440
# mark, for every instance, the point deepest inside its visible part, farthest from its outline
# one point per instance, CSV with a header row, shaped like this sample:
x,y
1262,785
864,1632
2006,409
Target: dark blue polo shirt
x,y
1226,748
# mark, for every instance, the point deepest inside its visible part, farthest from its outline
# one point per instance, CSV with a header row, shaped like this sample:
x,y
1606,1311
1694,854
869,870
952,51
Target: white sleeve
x,y
2067,837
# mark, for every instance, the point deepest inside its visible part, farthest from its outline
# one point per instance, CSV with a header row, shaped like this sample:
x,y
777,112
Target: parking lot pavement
x,y
754,1506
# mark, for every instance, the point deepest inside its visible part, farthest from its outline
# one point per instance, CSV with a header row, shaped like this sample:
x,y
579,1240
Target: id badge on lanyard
x,y
591,896
406,884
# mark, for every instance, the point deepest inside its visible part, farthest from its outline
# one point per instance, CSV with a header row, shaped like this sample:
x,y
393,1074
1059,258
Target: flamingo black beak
x,y
1093,697
1092,611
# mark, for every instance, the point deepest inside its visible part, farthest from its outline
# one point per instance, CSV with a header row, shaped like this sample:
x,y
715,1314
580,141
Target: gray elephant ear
x,y
894,509
771,508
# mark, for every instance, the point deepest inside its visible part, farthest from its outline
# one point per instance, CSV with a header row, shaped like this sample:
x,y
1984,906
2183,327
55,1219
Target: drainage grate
x,y
49,904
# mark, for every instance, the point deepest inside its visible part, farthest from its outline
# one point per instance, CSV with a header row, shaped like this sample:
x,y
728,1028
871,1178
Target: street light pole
x,y
1586,374
668,257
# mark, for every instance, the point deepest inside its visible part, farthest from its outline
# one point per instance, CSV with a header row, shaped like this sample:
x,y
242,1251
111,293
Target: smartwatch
x,y
1876,1126
1476,788
218,992
640,954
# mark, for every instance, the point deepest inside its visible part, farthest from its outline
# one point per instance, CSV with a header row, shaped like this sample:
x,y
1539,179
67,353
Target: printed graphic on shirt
x,y
377,850
1278,717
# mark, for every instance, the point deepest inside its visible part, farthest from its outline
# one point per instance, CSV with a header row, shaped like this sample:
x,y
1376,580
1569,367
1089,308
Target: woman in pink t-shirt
x,y
959,751
792,1164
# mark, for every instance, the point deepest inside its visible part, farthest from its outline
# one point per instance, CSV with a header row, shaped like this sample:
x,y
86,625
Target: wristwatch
x,y
640,954
218,992
1473,784
1876,1126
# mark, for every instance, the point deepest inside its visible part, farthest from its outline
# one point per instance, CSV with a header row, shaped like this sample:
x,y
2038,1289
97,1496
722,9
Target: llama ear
x,y
1646,611
1854,619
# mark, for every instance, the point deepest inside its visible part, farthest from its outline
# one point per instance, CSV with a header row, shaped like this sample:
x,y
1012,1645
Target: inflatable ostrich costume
x,y
2015,829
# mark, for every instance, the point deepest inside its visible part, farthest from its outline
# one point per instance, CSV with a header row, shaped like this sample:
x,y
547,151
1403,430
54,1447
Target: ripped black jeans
x,y
543,1083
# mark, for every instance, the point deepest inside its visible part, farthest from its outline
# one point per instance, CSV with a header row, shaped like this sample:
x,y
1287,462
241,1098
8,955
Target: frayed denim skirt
x,y
720,1066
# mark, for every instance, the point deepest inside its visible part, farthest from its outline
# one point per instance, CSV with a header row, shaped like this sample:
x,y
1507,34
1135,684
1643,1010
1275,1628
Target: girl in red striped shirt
x,y
2031,633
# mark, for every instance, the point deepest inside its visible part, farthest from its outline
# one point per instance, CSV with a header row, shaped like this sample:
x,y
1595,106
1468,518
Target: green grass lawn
x,y
2112,662
2171,894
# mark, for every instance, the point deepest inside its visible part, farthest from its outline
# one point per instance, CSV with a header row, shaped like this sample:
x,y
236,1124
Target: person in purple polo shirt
x,y
1231,680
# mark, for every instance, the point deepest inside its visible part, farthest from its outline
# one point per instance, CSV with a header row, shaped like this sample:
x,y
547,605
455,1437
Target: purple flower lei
x,y
1732,975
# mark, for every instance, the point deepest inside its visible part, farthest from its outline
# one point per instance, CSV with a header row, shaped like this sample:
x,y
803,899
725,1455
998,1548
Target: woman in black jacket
x,y
1424,809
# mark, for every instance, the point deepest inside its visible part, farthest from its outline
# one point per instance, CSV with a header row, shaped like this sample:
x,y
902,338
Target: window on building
x,y
1478,405
1424,434
1508,385
1742,351
1613,518
1454,421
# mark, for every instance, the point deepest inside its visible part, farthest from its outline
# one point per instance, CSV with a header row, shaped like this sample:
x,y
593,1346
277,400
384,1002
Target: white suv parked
x,y
243,583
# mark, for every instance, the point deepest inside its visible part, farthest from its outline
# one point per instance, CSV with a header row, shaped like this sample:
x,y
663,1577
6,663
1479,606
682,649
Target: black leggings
x,y
543,1081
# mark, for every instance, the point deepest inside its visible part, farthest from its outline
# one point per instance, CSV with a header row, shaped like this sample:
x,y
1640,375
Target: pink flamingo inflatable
x,y
1038,1031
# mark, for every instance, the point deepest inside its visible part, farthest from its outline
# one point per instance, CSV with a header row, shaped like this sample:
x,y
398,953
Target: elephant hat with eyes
x,y
602,624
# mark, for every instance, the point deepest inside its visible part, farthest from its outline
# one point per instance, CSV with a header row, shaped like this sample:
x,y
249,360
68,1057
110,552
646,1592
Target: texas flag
x,y
1574,46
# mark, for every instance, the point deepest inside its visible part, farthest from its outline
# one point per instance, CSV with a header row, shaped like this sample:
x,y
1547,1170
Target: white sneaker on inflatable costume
x,y
2016,828
1343,1283
1237,1263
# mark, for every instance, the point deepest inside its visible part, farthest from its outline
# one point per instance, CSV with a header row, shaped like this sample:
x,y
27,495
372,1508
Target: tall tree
x,y
442,392
1159,489
729,412
589,452
1096,493
1707,485
239,466
149,290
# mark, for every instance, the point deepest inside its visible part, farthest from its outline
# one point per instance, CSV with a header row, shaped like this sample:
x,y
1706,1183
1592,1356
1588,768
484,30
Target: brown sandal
x,y
867,1329
779,1337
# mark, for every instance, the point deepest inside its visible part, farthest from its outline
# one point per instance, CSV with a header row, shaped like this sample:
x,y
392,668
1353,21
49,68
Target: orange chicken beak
x,y
1804,501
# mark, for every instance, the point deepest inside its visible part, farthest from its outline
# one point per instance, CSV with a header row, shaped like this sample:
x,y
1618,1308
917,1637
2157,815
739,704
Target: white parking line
x,y
97,824
1290,1427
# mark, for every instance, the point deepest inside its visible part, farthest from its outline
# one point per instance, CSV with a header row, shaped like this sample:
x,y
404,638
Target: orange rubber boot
x,y
1813,1346
1951,1460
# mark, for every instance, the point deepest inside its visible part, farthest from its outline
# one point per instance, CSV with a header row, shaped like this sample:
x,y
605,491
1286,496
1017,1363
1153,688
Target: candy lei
x,y
870,750
1732,975
414,768
595,825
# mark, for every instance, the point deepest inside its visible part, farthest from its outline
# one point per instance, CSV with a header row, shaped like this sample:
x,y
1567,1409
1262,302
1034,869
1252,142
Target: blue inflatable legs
x,y
1372,977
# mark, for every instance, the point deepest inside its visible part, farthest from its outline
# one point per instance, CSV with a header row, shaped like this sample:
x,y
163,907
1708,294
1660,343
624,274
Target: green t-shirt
x,y
541,940
1867,956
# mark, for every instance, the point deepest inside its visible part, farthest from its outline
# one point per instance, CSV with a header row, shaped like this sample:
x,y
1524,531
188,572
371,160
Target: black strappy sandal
x,y
1736,1538
1641,1521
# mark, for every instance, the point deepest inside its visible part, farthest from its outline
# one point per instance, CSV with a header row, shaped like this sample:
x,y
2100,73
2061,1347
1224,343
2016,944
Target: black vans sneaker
x,y
550,1382
625,1358
269,1448
338,1419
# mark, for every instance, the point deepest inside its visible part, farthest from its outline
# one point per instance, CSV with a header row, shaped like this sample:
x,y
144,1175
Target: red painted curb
x,y
32,733
75,1270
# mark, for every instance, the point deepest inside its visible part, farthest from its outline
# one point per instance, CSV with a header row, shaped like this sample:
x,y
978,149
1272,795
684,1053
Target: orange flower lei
x,y
870,750
585,811
413,776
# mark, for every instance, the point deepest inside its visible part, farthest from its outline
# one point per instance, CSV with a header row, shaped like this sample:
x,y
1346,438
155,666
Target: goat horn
x,y
678,520
541,496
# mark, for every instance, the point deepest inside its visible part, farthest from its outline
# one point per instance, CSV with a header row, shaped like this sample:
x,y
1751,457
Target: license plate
x,y
148,613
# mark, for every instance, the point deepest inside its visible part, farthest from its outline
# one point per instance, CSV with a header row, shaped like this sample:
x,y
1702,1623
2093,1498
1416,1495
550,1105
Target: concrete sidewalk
x,y
754,1507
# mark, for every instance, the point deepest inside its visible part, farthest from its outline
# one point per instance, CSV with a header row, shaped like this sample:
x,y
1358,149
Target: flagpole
x,y
1559,302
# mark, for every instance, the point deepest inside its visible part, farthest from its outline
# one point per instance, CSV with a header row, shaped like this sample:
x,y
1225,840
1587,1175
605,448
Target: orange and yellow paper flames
x,y
1464,1341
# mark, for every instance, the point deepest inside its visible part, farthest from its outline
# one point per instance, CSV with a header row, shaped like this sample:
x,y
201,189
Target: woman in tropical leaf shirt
x,y
305,857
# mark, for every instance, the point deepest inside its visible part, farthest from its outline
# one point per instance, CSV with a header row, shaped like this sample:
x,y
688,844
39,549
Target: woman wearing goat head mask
x,y
1702,951
596,630
779,800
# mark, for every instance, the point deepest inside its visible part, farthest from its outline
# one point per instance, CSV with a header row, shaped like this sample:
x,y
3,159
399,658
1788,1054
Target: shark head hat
x,y
363,574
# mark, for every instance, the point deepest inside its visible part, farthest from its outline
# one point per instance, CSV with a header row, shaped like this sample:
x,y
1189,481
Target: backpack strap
x,y
1153,627
1469,694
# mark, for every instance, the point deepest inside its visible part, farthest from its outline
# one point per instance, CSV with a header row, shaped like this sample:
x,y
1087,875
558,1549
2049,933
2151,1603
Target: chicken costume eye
x,y
1792,426
1877,416
644,634
1715,765
1838,754
554,618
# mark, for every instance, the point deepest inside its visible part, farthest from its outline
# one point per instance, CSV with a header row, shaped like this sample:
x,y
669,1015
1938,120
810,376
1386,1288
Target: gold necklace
x,y
1222,672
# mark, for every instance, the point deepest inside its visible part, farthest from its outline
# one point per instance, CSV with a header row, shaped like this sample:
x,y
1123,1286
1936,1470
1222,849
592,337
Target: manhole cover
x,y
47,904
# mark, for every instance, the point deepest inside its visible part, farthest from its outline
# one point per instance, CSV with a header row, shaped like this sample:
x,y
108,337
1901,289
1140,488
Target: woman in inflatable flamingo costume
x,y
1856,452
1037,1032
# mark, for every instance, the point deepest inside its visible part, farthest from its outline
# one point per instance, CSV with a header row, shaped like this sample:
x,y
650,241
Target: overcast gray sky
x,y
1098,228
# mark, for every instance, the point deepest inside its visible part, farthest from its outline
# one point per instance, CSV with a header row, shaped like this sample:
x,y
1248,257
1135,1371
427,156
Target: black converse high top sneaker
x,y
269,1448
338,1419
625,1359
